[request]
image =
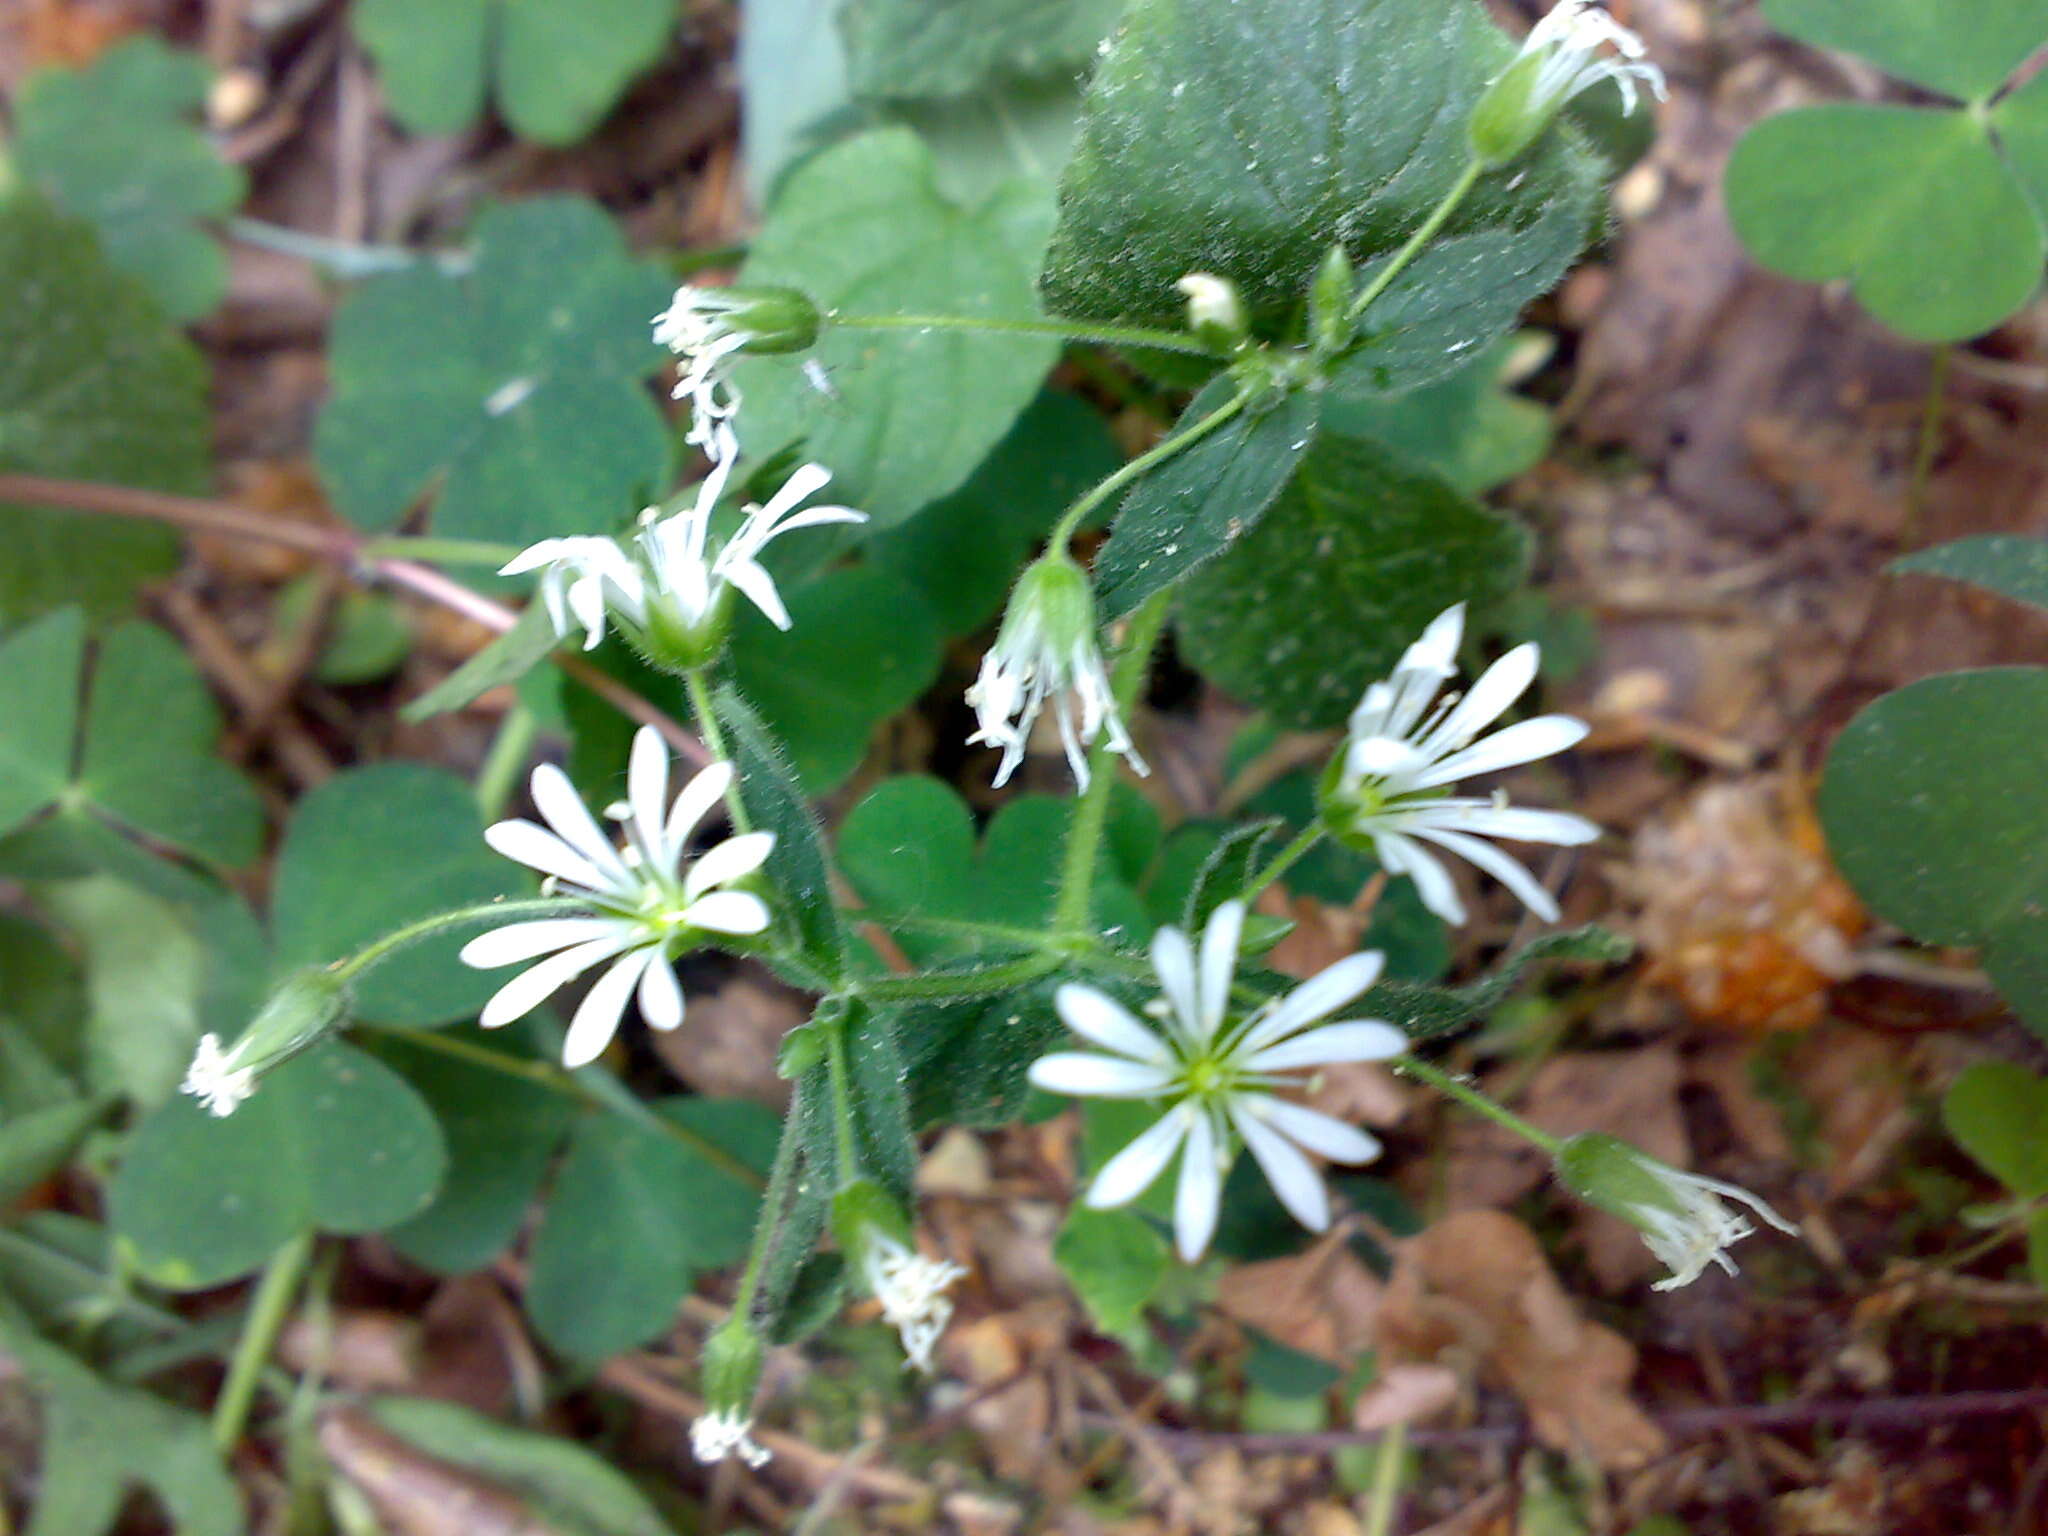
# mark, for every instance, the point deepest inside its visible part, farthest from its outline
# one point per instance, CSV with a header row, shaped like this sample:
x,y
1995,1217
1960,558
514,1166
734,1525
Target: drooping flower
x,y
1685,1219
705,326
1217,1070
216,1080
715,1436
912,1290
1565,53
1389,787
1046,649
303,1009
643,904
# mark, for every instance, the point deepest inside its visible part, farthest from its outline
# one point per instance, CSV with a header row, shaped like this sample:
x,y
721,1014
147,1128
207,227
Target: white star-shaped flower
x,y
1404,752
1217,1070
644,904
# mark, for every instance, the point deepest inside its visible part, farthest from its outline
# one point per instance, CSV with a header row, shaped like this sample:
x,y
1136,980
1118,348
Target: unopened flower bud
x,y
1684,1218
1330,326
732,1375
302,1011
1215,311
1560,58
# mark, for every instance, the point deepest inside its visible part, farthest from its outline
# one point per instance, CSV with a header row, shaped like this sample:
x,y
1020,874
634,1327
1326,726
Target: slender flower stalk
x,y
1389,788
1687,1221
1216,1072
644,903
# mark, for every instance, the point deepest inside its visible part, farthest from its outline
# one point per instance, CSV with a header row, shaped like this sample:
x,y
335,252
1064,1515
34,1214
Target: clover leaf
x,y
512,387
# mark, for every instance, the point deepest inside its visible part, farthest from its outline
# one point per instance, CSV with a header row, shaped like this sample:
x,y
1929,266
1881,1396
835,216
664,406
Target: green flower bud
x,y
1330,327
304,1009
1684,1218
801,1049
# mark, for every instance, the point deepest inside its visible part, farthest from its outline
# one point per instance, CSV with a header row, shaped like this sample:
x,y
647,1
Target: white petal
x,y
1200,1195
1320,1133
1523,742
693,800
1131,1172
728,912
1355,1040
733,859
802,481
1219,963
1485,702
564,810
523,941
1404,856
759,587
647,793
812,517
1497,864
1105,1021
1513,822
661,997
1294,1180
538,848
1318,997
1174,959
1086,1075
603,1006
530,988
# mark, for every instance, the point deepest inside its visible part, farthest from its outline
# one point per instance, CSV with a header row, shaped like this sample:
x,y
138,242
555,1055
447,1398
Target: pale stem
x,y
1063,531
1070,330
268,1308
714,738
1429,229
1283,861
1478,1102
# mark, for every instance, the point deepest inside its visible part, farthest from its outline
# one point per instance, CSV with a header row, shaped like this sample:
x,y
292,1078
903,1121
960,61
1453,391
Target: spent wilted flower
x,y
1046,649
642,903
1565,53
705,326
731,1377
1217,1069
715,1436
1389,786
912,1290
217,1079
304,1009
1686,1220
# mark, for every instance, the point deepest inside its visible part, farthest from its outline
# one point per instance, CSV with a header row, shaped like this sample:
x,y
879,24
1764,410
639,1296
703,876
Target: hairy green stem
x,y
1091,814
375,953
936,985
1478,1102
268,1309
1070,330
714,738
1429,229
1283,861
842,1100
1166,448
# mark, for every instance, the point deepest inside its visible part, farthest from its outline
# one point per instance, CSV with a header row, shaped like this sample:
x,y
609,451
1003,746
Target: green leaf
x,y
1115,1261
95,385
880,1081
2037,1248
2004,563
1467,429
592,1295
505,660
332,1141
775,800
962,553
35,1145
899,48
39,668
364,636
1244,137
145,971
100,1440
1356,557
502,1131
862,645
1999,1114
1925,41
967,1060
555,71
371,850
514,387
45,993
1911,204
863,228
1237,855
150,730
1200,503
1422,1011
570,1490
1934,813
2021,121
116,143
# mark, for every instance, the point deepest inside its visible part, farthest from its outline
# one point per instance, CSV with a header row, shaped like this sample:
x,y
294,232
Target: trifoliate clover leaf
x,y
511,388
907,48
94,385
554,70
115,143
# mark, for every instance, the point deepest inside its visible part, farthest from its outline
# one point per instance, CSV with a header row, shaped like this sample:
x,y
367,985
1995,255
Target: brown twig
x,y
297,753
343,548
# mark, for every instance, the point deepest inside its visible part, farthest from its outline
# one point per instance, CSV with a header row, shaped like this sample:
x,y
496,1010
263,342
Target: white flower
x,y
912,1290
715,1436
1218,1070
1684,1218
1568,43
1046,650
580,578
698,327
1391,784
644,906
215,1079
686,579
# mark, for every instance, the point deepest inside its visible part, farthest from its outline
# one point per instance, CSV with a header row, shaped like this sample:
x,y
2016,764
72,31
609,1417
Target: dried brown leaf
x,y
1322,1301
